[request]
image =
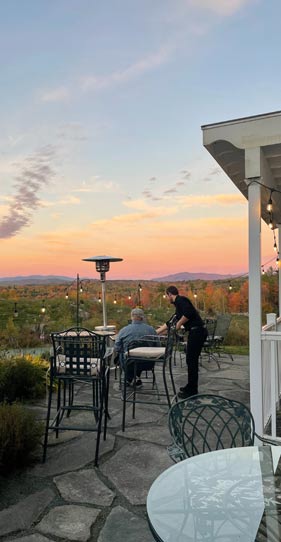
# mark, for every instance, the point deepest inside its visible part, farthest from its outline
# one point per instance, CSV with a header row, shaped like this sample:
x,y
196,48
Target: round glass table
x,y
231,495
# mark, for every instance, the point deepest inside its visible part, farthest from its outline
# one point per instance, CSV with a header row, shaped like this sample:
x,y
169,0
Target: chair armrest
x,y
268,440
176,453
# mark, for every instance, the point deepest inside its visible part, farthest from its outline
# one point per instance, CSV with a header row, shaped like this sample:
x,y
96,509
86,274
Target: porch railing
x,y
271,373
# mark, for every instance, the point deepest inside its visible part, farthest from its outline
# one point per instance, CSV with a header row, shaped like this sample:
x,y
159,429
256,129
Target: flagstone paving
x,y
68,499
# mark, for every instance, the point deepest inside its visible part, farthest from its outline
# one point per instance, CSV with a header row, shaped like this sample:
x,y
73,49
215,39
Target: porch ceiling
x,y
228,143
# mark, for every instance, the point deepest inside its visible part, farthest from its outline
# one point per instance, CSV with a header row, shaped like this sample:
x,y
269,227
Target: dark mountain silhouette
x,y
57,279
192,276
35,279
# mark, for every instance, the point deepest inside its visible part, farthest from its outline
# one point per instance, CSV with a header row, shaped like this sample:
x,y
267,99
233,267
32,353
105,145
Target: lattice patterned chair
x,y
204,423
79,357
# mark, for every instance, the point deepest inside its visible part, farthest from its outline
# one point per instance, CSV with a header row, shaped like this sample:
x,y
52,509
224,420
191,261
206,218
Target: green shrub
x,y
238,333
20,436
20,380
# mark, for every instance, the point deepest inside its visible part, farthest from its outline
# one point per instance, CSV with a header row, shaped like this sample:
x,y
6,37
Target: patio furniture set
x,y
223,486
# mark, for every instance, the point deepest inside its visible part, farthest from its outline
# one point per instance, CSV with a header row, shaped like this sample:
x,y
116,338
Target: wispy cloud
x,y
210,200
139,68
97,185
73,131
185,174
59,94
35,173
170,191
220,7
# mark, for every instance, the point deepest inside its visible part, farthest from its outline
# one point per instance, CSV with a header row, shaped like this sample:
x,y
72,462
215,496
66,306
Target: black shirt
x,y
185,308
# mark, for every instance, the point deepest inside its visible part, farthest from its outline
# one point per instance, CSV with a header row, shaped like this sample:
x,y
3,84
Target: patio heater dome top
x,y
102,263
102,258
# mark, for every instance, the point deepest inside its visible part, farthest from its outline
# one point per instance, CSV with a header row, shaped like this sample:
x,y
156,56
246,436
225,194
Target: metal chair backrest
x,y
204,423
211,329
77,352
222,327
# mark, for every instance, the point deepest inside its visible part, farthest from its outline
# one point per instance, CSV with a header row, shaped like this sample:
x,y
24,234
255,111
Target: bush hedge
x,y
20,436
21,379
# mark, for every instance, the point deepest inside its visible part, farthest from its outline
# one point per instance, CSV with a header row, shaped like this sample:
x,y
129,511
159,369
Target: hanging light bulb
x,y
270,222
129,296
195,294
43,308
99,298
275,246
115,300
66,295
269,204
262,270
230,287
81,289
15,311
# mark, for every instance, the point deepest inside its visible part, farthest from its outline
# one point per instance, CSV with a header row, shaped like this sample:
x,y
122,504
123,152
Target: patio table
x,y
229,495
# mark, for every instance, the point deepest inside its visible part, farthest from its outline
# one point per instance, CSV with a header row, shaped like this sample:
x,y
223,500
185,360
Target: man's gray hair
x,y
138,313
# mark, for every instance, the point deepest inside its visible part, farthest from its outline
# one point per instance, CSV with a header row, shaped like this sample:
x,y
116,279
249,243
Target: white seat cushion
x,y
150,352
62,365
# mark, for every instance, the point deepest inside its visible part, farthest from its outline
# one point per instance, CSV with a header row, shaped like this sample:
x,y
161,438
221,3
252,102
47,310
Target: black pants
x,y
139,366
195,341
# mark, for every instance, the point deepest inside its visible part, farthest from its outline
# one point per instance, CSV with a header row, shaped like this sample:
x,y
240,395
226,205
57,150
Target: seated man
x,y
134,331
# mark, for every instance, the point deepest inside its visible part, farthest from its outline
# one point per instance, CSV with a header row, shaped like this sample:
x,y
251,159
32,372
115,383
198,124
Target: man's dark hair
x,y
172,290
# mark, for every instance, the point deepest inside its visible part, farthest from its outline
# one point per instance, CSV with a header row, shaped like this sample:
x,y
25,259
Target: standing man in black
x,y
188,316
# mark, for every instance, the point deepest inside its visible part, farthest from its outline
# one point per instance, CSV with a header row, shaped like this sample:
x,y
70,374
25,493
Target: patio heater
x,y
102,267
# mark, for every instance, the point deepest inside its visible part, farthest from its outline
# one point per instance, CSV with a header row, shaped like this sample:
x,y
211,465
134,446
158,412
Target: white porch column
x,y
255,322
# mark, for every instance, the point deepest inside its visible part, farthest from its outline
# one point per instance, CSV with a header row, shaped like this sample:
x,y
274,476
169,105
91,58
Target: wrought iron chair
x,y
209,346
143,354
79,357
222,327
204,423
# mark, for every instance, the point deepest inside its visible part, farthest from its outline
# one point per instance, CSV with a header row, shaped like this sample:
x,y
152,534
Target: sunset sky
x,y
101,107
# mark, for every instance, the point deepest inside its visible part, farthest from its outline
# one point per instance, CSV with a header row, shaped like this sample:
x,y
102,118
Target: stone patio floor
x,y
68,499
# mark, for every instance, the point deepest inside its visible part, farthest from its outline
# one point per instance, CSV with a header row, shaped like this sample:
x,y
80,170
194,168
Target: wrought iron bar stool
x,y
143,354
79,357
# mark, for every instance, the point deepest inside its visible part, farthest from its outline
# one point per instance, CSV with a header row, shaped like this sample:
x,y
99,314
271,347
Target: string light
x,y
115,300
270,223
43,308
269,204
230,287
15,311
99,298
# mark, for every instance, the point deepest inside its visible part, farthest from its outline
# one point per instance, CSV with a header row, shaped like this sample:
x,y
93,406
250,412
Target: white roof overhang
x,y
234,144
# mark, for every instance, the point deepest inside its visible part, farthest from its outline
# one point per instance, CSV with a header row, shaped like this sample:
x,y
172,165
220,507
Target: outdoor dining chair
x,y
204,423
209,346
147,353
78,358
222,327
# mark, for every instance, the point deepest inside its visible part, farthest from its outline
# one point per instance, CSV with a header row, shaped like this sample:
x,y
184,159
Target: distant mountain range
x,y
177,277
54,279
35,279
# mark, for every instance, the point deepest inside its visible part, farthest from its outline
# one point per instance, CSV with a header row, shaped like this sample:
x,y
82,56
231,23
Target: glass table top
x,y
229,495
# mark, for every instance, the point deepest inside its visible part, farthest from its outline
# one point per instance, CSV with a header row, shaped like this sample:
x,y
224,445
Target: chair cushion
x,y
62,365
151,352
